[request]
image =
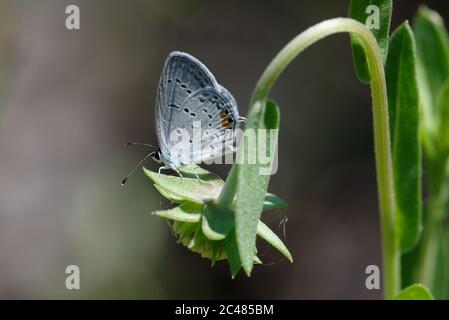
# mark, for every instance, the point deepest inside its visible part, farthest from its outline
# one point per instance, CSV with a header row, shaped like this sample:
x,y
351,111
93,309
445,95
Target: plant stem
x,y
433,221
429,245
391,253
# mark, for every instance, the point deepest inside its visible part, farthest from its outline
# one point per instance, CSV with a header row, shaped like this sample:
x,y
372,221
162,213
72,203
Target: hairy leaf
x,y
230,247
432,42
186,212
268,235
252,179
273,202
217,222
189,188
403,104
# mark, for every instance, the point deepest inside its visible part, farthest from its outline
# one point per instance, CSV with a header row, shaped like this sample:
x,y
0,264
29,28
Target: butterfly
x,y
189,98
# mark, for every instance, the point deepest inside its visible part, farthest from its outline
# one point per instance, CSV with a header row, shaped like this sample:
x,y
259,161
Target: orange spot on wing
x,y
225,123
223,114
225,119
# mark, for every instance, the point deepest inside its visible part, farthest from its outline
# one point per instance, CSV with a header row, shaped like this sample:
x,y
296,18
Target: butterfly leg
x,y
194,172
162,168
241,119
175,170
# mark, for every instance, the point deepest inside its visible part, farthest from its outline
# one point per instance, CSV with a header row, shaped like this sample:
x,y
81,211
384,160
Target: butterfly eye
x,y
156,155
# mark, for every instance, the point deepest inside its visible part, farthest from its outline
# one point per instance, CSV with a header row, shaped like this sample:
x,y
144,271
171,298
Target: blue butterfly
x,y
188,96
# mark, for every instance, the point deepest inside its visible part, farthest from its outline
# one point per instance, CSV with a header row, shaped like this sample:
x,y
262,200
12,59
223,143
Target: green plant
x,y
222,219
429,261
204,225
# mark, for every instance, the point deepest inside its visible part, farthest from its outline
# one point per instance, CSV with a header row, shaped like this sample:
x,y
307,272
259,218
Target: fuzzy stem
x,y
391,253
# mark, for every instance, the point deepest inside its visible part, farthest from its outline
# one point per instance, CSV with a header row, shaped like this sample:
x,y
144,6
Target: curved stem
x,y
391,254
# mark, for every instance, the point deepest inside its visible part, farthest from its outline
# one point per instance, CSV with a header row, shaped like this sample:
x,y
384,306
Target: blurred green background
x,y
69,100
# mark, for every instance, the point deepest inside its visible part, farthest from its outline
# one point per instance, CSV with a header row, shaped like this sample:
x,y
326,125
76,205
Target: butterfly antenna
x,y
139,144
135,168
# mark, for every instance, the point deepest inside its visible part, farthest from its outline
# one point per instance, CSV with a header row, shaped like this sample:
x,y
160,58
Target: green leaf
x,y
173,197
433,72
273,202
268,235
432,43
188,188
440,287
186,212
428,119
257,260
217,222
443,111
359,10
403,104
252,179
230,247
410,262
415,292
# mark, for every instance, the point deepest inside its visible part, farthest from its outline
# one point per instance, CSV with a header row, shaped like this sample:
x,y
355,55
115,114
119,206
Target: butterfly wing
x,y
188,93
182,76
215,110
